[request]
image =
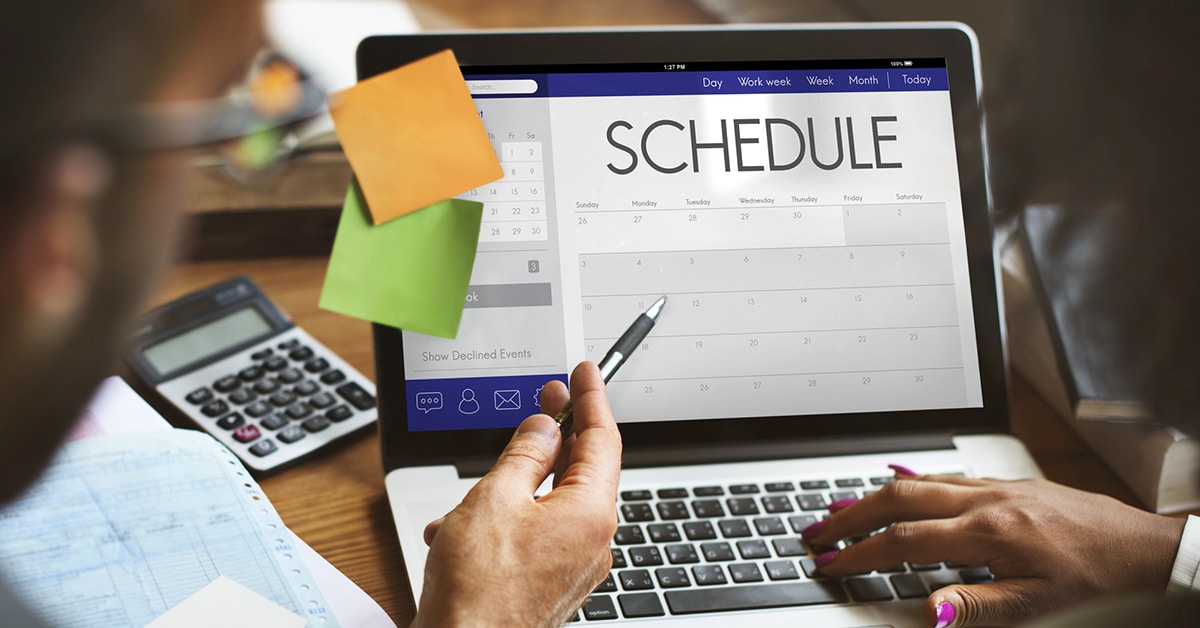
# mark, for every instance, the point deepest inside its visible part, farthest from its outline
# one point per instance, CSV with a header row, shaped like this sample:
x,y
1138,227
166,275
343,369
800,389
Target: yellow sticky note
x,y
413,137
411,273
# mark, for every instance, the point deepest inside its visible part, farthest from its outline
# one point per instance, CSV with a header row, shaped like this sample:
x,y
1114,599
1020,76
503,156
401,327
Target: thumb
x,y
1001,603
527,460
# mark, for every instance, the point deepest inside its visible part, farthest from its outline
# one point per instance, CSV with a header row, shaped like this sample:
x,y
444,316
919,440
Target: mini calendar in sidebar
x,y
514,208
232,362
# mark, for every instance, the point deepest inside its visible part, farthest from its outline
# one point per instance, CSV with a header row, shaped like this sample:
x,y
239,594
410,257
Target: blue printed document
x,y
120,529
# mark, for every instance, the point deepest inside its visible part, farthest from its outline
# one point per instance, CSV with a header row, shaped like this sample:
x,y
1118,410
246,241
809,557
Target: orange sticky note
x,y
413,137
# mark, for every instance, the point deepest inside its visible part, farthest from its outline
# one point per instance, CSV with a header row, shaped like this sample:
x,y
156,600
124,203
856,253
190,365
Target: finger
x,y
554,397
431,529
526,462
594,460
925,542
902,500
1001,603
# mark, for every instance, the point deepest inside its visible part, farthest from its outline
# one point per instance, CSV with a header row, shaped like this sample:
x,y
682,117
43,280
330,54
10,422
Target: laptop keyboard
x,y
704,549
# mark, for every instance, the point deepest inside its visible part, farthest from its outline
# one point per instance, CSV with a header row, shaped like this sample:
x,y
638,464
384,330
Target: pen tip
x,y
657,307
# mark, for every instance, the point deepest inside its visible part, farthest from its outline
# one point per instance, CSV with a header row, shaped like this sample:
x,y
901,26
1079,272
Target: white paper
x,y
227,604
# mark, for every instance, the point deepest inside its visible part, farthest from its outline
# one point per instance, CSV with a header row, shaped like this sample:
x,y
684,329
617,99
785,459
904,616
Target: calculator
x,y
235,364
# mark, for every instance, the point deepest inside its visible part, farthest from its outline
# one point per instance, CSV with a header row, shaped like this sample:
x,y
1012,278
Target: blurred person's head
x,y
1096,109
85,223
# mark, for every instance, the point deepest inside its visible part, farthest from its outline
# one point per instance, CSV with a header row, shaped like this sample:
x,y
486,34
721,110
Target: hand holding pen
x,y
616,356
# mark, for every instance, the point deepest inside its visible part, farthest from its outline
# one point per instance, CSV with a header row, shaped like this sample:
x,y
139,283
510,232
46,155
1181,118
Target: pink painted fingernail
x,y
945,615
827,557
812,530
842,504
902,470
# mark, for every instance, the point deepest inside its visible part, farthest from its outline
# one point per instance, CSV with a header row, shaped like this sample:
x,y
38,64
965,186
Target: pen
x,y
616,356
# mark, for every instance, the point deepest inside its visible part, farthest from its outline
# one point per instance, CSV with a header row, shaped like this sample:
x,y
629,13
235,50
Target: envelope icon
x,y
507,399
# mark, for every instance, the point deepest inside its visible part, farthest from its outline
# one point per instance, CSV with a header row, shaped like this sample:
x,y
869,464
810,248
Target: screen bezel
x,y
952,42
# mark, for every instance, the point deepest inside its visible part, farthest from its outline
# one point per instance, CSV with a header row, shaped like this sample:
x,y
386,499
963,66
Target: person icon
x,y
468,404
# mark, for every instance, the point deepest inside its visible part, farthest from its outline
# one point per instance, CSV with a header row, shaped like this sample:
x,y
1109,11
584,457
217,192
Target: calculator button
x,y
250,373
283,398
306,388
263,448
356,396
263,354
226,384
257,409
215,408
317,365
199,396
266,386
291,434
243,396
316,424
340,413
333,377
288,345
246,433
274,422
301,355
321,401
299,410
275,364
230,422
290,376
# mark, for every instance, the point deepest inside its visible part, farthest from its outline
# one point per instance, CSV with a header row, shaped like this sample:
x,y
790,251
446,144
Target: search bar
x,y
502,86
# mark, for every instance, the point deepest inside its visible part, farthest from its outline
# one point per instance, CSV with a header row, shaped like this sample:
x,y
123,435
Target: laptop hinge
x,y
749,452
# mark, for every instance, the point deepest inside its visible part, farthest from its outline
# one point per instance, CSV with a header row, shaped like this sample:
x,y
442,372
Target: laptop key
x,y
699,530
672,493
975,575
734,528
810,567
599,607
779,487
663,532
742,506
635,579
814,485
777,503
672,577
848,483
882,480
892,569
708,491
811,501
705,508
750,597
909,586
637,512
800,522
788,547
743,489
668,511
745,572
618,558
636,496
708,574
608,586
754,549
641,605
681,553
925,566
782,570
837,496
869,589
645,556
769,526
629,535
715,552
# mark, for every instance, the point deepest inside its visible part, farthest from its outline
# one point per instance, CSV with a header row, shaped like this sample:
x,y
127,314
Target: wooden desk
x,y
337,504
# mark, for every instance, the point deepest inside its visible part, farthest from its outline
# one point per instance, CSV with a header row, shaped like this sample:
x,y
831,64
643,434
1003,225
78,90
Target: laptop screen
x,y
804,219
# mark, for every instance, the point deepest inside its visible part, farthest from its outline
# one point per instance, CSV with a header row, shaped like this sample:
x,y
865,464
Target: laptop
x,y
813,202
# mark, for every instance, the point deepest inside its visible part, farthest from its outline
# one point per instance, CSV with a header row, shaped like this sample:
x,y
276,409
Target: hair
x,y
1094,108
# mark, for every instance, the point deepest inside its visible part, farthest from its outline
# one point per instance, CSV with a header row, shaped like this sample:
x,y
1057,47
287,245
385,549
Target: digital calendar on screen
x,y
806,226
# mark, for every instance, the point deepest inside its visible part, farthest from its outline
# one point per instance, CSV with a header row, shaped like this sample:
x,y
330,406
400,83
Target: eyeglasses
x,y
250,129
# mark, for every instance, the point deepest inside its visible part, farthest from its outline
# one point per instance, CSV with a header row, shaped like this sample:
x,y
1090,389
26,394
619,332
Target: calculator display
x,y
208,339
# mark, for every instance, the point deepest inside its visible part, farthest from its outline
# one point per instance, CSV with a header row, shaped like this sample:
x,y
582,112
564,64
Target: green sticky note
x,y
411,272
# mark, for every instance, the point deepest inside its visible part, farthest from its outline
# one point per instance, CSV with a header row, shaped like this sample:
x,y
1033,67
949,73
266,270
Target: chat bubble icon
x,y
429,401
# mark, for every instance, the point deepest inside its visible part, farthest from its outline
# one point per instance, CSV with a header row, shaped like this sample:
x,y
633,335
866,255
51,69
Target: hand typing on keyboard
x,y
503,557
1048,546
